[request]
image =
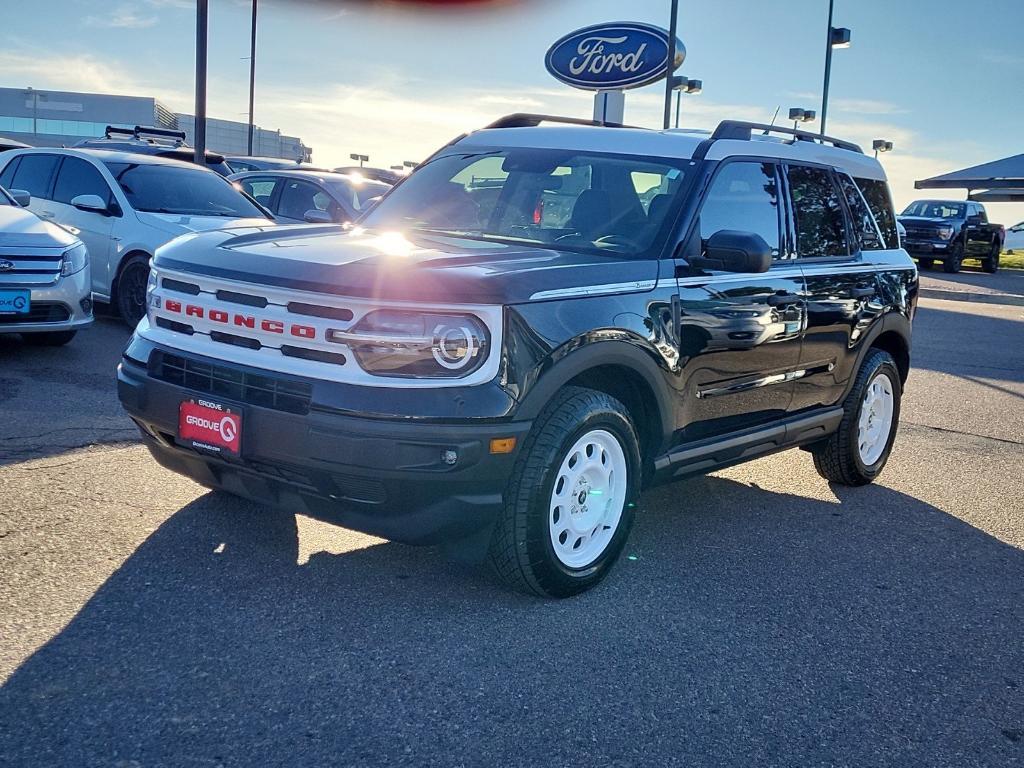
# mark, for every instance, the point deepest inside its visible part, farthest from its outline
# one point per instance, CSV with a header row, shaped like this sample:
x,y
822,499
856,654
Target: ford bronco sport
x,y
536,324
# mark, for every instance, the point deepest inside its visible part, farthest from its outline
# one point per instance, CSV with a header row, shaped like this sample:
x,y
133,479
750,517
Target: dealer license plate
x,y
15,302
210,426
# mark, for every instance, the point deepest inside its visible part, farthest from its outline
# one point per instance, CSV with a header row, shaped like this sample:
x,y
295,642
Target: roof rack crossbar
x,y
145,130
743,131
529,120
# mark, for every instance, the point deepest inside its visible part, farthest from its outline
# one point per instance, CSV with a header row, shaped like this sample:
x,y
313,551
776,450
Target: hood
x,y
180,224
20,228
918,221
415,267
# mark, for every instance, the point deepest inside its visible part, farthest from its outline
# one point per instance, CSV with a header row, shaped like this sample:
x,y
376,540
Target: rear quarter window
x,y
876,193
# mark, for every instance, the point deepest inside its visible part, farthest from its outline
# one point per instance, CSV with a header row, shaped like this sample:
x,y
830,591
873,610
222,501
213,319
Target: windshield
x,y
182,190
563,198
935,210
356,193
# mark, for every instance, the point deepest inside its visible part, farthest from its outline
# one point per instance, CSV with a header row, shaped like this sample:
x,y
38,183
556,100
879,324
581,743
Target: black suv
x,y
147,140
534,326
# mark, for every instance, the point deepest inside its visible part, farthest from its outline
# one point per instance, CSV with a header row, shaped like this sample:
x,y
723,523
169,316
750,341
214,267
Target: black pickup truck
x,y
951,231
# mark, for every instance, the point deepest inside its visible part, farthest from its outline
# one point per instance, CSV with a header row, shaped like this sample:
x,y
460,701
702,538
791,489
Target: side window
x,y
864,228
876,193
34,174
259,188
818,211
297,197
980,211
78,177
8,174
743,196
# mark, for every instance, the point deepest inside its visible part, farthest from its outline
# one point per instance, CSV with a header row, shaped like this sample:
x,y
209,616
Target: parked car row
x,y
119,198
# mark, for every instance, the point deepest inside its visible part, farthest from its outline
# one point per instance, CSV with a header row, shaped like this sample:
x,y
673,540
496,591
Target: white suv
x,y
123,206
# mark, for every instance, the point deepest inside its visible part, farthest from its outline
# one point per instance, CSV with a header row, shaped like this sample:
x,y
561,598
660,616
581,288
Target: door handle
x,y
781,299
863,293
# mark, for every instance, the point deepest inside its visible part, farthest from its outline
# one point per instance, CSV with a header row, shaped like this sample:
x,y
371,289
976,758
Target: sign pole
x,y
252,73
671,63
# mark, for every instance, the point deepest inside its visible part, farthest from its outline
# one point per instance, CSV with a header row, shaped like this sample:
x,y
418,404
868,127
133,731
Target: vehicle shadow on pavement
x,y
962,343
741,627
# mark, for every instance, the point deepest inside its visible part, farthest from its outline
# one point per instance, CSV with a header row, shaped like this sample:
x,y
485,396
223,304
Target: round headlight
x,y
455,346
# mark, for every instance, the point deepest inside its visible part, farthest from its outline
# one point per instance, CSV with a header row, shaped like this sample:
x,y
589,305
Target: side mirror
x,y
92,203
316,216
730,250
21,197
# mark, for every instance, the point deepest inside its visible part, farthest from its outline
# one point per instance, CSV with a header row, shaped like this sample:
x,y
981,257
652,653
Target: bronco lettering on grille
x,y
245,321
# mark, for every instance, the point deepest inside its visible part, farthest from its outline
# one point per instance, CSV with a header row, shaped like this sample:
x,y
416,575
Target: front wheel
x,y
991,263
131,290
569,504
856,453
954,259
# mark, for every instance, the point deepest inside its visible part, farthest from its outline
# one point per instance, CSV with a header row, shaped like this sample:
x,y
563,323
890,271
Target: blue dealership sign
x,y
612,56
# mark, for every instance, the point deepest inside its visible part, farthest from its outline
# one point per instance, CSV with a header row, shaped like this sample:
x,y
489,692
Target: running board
x,y
716,453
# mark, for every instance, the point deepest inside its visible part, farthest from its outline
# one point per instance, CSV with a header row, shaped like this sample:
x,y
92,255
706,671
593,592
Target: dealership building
x,y
63,118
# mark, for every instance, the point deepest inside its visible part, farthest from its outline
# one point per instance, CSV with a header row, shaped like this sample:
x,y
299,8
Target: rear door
x,y
75,177
840,275
739,333
979,231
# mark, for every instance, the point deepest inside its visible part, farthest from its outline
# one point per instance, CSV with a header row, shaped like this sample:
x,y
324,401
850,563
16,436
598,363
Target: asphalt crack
x,y
961,432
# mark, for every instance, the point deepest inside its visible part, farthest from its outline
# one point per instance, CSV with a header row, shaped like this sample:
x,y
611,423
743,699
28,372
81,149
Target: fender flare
x,y
579,356
895,322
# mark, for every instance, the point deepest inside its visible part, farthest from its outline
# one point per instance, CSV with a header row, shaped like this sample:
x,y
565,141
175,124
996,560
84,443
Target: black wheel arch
x,y
626,369
891,334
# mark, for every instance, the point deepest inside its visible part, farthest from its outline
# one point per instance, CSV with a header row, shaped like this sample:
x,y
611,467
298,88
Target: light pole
x,y
252,73
683,85
202,25
672,25
881,145
798,115
35,95
361,158
837,37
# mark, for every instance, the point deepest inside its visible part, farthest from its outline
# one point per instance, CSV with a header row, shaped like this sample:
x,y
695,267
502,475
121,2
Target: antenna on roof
x,y
772,123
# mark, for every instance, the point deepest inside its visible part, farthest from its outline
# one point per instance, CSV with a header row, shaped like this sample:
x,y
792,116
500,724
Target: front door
x,y
75,177
739,334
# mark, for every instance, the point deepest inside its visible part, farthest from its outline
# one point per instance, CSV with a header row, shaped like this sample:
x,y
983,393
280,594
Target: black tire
x,y
521,550
954,259
926,263
49,338
991,263
131,289
837,458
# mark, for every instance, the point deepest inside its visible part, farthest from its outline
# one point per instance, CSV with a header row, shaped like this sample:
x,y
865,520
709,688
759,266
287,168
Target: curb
x,y
981,298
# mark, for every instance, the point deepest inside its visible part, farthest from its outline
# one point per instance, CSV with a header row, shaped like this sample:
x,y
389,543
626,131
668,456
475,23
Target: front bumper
x,y
926,246
67,297
383,477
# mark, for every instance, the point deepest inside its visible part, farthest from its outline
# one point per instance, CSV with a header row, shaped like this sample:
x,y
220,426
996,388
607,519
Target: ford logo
x,y
612,56
6,266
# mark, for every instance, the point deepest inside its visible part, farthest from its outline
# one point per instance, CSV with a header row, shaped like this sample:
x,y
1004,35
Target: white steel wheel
x,y
587,498
875,423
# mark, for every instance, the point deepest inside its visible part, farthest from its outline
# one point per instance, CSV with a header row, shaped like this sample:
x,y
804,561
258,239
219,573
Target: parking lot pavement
x,y
972,284
759,617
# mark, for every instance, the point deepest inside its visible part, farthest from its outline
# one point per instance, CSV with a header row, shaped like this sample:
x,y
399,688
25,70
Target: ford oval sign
x,y
612,56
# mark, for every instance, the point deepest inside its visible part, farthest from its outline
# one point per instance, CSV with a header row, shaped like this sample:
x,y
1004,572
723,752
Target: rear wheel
x,y
569,504
49,338
991,263
857,452
131,290
954,259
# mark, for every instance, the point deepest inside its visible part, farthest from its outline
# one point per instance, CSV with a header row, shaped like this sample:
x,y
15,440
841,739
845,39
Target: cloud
x,y
123,17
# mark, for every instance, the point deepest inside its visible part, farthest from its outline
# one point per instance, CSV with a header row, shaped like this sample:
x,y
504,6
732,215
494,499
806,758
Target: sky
x,y
942,80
